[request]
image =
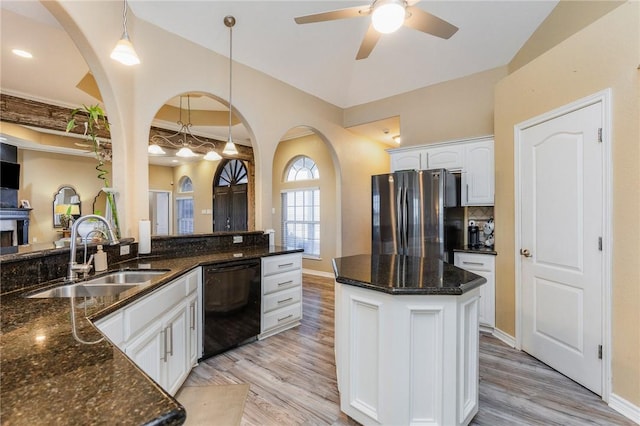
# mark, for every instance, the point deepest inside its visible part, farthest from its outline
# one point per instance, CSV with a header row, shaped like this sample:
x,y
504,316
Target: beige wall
x,y
201,174
455,109
603,55
313,147
161,178
42,174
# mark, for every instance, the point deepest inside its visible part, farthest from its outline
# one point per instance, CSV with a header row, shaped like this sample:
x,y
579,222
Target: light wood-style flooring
x,y
292,378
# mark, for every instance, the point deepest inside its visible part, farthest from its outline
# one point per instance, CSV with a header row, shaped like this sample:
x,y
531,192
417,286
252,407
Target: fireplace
x,y
14,227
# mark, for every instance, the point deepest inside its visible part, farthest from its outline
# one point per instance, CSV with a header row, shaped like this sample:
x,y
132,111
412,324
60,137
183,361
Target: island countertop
x,y
399,274
48,377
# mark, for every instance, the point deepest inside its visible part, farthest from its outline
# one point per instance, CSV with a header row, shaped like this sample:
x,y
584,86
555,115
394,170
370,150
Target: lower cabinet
x,y
483,265
281,293
160,331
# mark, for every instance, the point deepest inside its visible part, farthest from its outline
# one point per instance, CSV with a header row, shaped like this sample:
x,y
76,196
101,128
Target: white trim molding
x,y
504,337
624,407
319,273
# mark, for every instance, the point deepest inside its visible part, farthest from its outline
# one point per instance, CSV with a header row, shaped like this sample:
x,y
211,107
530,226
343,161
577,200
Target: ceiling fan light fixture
x,y
388,15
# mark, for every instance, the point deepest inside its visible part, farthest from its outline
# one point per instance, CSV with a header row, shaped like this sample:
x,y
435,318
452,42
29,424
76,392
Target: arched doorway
x,y
230,188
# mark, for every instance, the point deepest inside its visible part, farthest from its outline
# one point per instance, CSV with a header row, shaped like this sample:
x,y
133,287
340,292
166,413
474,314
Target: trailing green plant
x,y
96,120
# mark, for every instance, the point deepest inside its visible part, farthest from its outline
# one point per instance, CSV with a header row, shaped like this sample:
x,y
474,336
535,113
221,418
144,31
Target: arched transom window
x,y
302,168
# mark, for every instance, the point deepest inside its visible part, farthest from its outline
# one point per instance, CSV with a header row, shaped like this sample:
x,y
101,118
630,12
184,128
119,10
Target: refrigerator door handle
x,y
405,221
399,218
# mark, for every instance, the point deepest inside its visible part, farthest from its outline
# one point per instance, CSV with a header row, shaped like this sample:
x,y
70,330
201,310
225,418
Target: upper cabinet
x,y
472,158
478,177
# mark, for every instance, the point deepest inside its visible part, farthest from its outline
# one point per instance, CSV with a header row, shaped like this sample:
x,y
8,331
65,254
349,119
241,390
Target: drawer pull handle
x,y
473,263
284,265
285,300
285,283
284,318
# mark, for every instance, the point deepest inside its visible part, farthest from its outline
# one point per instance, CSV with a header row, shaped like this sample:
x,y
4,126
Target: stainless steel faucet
x,y
74,267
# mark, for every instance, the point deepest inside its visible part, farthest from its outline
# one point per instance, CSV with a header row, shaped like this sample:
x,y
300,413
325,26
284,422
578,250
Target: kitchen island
x,y
48,376
406,340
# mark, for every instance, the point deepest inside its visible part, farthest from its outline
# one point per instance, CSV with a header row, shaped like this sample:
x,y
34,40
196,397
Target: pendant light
x,y
230,147
124,51
388,15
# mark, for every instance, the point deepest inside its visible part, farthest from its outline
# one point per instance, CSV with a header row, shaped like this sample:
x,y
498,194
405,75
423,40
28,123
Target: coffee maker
x,y
473,236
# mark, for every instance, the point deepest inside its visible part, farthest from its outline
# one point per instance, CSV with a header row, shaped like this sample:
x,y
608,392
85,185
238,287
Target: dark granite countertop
x,y
397,274
477,250
49,377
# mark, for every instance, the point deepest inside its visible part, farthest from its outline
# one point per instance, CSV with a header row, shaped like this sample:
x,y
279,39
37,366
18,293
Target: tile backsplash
x,y
481,214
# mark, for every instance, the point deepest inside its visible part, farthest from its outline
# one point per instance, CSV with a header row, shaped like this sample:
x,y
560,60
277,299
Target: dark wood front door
x,y
230,197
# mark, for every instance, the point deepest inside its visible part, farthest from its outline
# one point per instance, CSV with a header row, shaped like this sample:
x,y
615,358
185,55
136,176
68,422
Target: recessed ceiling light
x,y
22,53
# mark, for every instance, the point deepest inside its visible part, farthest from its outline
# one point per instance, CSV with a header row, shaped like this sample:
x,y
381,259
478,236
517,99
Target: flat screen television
x,y
9,175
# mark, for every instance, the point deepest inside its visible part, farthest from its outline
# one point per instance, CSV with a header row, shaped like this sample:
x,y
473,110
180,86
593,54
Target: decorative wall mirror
x,y
100,204
66,207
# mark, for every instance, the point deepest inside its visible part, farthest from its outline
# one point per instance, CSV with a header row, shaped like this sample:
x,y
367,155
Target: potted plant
x,y
95,121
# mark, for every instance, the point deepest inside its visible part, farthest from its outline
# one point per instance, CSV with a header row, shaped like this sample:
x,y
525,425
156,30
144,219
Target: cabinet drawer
x,y
281,299
282,316
472,261
192,279
281,282
276,264
113,327
143,312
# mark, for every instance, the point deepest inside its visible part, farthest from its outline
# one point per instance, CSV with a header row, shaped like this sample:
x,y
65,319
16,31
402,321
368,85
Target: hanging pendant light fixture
x,y
185,140
124,51
230,147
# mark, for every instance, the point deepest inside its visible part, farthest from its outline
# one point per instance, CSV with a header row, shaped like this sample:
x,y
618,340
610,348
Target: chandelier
x,y
183,139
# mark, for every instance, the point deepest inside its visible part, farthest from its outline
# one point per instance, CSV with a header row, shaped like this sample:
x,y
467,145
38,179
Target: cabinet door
x,y
193,330
408,160
483,265
176,348
478,179
445,157
146,351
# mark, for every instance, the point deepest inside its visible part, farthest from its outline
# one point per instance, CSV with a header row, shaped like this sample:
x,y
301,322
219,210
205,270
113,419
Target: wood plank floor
x,y
293,381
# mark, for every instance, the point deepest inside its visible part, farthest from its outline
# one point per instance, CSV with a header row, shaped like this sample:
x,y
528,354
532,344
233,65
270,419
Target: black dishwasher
x,y
231,305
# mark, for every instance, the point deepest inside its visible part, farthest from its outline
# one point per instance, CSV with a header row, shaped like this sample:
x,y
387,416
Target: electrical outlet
x,y
124,250
237,239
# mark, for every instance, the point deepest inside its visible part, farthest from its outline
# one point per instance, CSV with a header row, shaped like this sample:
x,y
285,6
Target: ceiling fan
x,y
386,17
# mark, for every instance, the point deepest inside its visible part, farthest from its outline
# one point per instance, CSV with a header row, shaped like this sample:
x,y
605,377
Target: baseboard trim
x,y
318,273
506,338
624,407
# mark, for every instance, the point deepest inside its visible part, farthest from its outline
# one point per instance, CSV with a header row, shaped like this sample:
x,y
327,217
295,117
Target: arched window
x,y
184,206
301,207
302,168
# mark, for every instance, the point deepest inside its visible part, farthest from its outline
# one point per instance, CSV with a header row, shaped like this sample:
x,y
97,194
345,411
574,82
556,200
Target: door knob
x,y
525,252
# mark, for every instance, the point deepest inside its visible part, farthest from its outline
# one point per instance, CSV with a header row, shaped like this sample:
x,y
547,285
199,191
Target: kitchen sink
x,y
112,284
125,277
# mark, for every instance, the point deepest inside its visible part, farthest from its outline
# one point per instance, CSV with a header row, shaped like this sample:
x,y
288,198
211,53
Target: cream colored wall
x,y
161,178
313,147
268,107
455,109
41,175
606,54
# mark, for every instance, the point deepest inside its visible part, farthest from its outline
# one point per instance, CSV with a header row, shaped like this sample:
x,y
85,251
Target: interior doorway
x,y
230,193
160,212
563,238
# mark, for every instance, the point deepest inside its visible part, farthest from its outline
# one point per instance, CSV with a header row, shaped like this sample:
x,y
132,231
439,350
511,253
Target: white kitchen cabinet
x,y
412,159
450,157
485,266
478,176
281,306
160,332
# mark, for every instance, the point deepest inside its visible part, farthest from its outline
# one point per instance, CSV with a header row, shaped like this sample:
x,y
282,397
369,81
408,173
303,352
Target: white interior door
x,y
561,225
160,212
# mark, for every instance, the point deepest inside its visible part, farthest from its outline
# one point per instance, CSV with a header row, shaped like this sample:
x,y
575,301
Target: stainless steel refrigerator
x,y
417,213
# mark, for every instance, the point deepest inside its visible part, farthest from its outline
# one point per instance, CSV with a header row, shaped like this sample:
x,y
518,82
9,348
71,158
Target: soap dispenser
x,y
100,260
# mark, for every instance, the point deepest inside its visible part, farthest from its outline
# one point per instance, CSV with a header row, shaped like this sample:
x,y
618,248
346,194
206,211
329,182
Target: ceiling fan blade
x,y
350,12
368,43
427,23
